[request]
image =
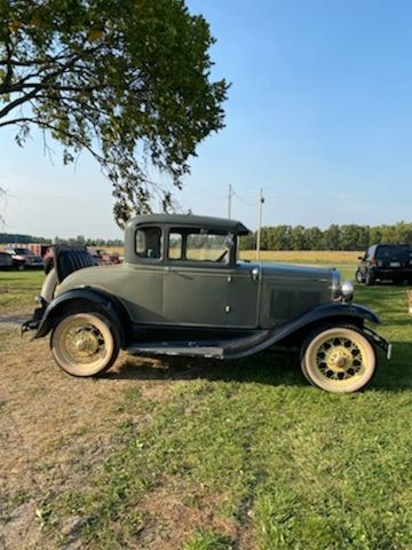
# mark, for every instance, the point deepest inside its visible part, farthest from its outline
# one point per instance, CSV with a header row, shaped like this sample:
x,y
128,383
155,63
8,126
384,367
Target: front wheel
x,y
84,344
338,359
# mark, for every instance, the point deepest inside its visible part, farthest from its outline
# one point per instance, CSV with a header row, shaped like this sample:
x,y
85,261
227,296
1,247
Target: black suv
x,y
385,262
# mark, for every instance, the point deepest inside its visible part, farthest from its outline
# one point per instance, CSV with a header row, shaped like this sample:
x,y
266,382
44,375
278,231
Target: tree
x,y
354,237
331,237
127,80
314,238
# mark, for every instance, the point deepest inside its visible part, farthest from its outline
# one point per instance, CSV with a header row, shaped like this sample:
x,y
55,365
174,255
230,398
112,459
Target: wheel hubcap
x,y
84,343
87,343
339,358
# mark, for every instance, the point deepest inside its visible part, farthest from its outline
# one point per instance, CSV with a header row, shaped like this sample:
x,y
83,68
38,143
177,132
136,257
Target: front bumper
x,y
379,341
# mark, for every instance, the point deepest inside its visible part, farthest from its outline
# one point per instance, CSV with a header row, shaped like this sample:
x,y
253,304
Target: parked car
x,y
5,260
102,257
182,291
110,258
22,258
96,253
385,262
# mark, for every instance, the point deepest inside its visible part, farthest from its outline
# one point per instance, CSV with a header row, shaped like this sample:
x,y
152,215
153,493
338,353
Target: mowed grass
x,y
18,290
246,455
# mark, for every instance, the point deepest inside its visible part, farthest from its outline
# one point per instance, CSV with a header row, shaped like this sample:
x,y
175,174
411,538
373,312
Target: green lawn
x,y
265,460
18,290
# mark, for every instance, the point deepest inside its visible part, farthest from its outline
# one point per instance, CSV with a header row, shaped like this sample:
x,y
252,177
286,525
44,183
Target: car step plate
x,y
189,349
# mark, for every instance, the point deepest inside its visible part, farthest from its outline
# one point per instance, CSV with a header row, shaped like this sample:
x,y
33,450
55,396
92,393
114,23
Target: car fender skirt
x,y
83,299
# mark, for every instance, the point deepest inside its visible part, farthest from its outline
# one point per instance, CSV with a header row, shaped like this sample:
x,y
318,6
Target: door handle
x,y
255,274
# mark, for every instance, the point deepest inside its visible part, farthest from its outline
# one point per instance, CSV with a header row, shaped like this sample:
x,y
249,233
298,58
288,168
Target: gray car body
x,y
242,307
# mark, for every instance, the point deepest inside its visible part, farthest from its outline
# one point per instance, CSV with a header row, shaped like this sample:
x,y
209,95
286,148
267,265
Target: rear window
x,y
148,242
393,252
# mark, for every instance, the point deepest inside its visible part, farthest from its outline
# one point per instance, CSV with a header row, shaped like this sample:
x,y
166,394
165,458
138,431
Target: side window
x,y
209,248
198,245
149,242
370,253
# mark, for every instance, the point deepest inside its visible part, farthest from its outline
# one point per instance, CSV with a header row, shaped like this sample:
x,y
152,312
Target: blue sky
x,y
319,116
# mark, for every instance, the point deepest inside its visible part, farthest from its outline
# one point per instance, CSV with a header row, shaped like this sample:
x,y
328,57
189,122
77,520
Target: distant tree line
x,y
80,239
13,238
279,237
335,237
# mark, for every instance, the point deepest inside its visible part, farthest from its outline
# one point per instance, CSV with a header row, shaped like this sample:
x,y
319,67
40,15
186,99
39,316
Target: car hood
x,y
267,269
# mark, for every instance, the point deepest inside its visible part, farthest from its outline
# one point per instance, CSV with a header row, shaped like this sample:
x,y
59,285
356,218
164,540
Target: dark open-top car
x,y
182,290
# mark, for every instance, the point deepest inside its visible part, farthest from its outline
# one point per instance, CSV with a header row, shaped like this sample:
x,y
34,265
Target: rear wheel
x,y
359,277
338,359
85,344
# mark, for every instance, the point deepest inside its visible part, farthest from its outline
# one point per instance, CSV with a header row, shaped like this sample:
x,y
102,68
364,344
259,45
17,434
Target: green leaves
x,y
128,81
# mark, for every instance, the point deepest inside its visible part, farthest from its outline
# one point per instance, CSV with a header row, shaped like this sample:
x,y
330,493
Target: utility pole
x,y
229,208
261,201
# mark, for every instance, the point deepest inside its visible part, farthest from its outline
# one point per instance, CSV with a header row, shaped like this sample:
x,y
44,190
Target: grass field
x,y
241,455
18,290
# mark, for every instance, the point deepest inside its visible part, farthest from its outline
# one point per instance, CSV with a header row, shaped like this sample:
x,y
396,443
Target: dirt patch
x,y
12,322
57,432
54,430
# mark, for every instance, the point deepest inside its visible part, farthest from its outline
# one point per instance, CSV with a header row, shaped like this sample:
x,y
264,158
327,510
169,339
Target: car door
x,y
195,295
201,285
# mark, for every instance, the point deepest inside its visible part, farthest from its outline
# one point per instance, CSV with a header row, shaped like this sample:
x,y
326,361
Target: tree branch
x,y
11,106
9,71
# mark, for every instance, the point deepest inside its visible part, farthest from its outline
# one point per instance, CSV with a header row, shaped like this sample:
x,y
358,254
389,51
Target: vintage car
x,y
182,290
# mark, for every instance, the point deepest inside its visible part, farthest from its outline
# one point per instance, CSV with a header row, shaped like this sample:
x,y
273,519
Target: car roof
x,y
190,220
400,245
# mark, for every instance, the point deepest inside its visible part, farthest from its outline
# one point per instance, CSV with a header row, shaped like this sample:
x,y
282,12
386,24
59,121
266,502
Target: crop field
x,y
201,455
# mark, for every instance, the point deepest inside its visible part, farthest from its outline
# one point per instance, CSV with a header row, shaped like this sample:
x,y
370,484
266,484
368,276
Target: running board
x,y
187,349
217,349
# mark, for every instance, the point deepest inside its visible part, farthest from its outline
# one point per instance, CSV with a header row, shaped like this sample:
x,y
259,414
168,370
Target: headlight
x,y
347,291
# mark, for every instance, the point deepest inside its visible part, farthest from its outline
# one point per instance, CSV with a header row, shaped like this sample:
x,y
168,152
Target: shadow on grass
x,y
274,368
395,375
271,368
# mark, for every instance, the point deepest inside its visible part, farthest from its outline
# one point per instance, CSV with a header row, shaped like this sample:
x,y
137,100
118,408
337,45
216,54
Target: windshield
x,y
22,251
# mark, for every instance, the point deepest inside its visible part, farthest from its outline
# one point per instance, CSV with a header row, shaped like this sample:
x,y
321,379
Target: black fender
x,y
345,310
297,329
83,299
